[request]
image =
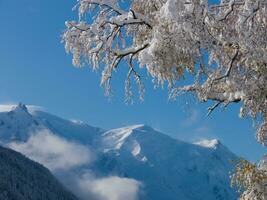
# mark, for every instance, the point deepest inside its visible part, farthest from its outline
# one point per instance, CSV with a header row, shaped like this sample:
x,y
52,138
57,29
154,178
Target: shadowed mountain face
x,y
153,164
23,179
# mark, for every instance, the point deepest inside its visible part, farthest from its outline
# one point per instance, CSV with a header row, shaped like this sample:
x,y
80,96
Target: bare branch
x,y
210,109
229,68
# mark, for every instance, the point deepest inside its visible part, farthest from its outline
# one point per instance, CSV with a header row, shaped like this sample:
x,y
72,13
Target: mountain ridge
x,y
168,168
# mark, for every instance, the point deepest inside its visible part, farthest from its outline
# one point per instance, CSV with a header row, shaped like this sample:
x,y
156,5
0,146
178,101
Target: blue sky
x,y
36,70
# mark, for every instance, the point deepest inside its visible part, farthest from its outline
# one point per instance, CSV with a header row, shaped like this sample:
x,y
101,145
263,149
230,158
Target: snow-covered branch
x,y
174,38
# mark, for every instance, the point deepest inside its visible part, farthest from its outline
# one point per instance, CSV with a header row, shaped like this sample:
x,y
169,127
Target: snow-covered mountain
x,y
23,179
20,123
147,164
170,168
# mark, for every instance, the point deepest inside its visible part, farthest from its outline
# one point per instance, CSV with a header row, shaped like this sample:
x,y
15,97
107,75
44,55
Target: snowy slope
x,y
168,168
20,123
23,179
17,124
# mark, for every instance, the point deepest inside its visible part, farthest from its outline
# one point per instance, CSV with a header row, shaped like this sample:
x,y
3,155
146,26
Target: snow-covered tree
x,y
251,180
222,47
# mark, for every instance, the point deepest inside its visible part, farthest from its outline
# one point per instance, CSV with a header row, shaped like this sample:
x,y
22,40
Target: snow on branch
x,y
172,39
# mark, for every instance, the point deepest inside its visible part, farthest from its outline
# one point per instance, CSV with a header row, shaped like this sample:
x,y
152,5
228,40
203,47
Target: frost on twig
x,y
172,39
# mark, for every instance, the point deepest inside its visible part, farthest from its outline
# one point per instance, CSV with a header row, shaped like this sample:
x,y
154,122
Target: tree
x,y
222,47
251,180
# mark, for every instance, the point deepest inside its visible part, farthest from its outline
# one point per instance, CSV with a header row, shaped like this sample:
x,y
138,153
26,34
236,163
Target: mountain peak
x,y
116,138
140,127
21,107
20,110
128,130
213,143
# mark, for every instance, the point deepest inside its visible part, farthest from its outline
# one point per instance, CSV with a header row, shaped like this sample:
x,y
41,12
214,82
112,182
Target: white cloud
x,y
6,108
53,151
62,156
116,188
109,188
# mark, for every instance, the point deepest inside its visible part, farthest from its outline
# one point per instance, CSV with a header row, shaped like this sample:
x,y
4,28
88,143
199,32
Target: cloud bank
x,y
54,152
109,188
64,157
